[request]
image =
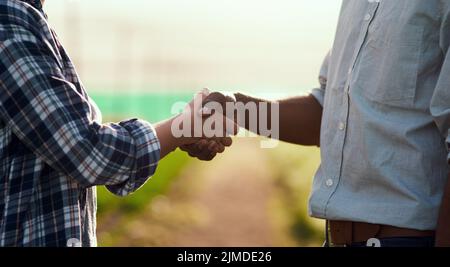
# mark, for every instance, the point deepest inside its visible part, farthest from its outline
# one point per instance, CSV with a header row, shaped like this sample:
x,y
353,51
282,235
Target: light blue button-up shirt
x,y
385,91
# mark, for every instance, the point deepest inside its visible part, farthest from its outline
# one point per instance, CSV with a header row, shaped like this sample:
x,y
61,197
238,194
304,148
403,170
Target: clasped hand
x,y
214,140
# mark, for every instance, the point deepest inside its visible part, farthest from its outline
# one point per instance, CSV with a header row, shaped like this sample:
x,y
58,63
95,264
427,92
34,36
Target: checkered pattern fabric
x,y
54,149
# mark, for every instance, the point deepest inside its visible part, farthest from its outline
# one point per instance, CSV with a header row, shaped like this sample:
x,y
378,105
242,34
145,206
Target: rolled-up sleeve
x,y
53,120
440,102
319,93
146,156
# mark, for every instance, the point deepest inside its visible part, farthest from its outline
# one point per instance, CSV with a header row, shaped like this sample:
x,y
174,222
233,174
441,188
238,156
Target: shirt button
x,y
341,126
329,183
367,17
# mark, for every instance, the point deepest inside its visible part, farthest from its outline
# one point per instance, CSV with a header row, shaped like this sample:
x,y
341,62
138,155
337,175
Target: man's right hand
x,y
206,149
299,119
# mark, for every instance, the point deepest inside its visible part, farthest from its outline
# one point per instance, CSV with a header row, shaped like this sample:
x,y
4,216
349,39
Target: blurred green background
x,y
139,57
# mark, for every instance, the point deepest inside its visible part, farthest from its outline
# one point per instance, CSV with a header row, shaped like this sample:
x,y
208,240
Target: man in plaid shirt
x,y
54,149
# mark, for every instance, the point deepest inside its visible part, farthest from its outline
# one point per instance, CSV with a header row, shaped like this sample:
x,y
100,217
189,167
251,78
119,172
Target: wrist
x,y
167,140
184,136
178,140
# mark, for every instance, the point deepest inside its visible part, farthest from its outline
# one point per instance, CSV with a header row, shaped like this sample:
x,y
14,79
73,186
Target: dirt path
x,y
220,203
235,195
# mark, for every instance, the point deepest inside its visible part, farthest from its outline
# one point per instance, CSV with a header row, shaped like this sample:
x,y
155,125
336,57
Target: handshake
x,y
204,127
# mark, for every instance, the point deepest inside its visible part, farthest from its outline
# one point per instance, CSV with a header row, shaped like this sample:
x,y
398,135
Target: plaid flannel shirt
x,y
53,148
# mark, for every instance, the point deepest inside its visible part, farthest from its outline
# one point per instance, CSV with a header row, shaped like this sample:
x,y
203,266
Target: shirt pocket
x,y
389,63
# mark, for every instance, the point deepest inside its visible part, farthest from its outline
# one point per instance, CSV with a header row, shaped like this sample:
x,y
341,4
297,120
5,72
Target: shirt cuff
x,y
146,159
319,94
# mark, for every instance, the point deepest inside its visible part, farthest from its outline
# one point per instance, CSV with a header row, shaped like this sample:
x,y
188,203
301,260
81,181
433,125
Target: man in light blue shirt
x,y
381,117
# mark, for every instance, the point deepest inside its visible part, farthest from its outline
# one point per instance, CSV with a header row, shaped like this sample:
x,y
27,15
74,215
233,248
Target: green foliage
x,y
152,107
294,168
168,169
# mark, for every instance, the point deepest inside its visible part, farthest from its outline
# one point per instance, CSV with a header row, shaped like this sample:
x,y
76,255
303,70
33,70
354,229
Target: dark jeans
x,y
402,242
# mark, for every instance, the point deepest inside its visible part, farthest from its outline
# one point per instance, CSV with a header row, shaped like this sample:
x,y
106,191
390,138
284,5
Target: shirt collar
x,y
36,3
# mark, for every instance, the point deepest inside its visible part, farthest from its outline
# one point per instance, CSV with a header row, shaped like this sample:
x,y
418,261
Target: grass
x,y
293,166
152,107
294,170
168,169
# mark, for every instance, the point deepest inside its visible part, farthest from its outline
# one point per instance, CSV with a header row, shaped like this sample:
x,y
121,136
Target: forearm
x,y
167,141
443,225
299,118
